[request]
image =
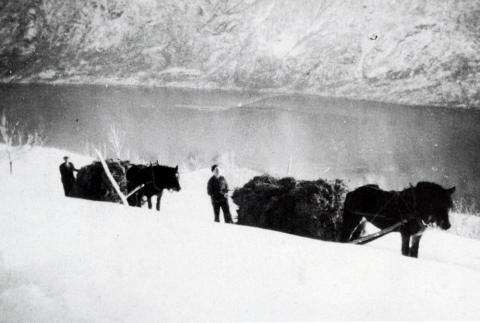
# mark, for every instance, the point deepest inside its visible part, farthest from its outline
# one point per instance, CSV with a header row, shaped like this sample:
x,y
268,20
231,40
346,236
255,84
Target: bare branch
x,y
116,139
18,140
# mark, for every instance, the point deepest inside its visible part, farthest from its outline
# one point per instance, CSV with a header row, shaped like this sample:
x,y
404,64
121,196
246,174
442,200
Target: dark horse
x,y
417,206
154,178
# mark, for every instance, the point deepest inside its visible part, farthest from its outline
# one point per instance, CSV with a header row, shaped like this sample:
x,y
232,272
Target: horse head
x,y
166,177
433,203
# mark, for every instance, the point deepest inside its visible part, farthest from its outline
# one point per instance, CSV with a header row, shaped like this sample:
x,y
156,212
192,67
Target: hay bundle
x,y
306,208
93,184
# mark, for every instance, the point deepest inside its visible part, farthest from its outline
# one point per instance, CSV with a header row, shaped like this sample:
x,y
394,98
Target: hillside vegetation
x,y
414,51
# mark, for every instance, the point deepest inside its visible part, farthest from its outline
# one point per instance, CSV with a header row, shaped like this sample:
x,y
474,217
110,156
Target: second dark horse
x,y
154,178
417,206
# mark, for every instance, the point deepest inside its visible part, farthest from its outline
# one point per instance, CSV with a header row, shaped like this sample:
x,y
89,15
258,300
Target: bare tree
x,y
17,140
89,149
116,139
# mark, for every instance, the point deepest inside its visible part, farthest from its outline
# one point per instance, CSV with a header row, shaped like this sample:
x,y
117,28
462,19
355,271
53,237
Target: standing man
x,y
217,188
68,179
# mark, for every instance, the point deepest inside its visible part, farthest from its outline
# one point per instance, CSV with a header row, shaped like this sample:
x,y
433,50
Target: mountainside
x,y
417,52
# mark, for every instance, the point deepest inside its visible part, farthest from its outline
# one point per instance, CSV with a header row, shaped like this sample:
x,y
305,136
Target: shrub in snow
x,y
93,184
306,208
17,140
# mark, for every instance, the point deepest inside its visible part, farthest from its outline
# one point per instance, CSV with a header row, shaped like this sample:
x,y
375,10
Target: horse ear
x,y
176,168
450,190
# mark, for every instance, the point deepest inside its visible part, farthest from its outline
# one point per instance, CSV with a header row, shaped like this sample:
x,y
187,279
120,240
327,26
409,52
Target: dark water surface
x,y
358,141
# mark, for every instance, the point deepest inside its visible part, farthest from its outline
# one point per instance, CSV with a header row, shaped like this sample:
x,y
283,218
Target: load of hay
x,y
306,208
93,184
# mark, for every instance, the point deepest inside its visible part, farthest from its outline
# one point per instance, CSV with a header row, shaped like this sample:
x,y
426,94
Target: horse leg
x,y
132,200
149,201
405,244
415,245
136,200
159,197
350,227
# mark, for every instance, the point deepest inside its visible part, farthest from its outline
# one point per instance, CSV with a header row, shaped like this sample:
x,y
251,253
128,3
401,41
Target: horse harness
x,y
139,187
405,217
153,180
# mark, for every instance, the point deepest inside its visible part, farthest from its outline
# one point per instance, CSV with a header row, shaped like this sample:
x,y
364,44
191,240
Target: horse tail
x,y
342,234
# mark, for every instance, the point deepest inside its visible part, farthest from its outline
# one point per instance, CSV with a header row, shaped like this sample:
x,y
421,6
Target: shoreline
x,y
210,86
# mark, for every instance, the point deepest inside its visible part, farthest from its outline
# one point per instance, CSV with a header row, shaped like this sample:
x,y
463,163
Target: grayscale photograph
x,y
239,160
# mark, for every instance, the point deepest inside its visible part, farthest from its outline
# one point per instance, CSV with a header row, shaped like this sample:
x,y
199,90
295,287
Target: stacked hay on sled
x,y
306,208
93,184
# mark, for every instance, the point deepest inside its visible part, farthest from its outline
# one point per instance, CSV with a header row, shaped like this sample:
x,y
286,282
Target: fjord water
x,y
305,136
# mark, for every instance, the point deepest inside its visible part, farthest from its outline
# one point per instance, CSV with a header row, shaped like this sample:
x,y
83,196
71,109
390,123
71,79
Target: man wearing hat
x,y
68,179
217,188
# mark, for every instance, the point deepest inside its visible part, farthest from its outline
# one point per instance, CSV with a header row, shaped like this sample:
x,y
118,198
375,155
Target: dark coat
x,y
66,171
217,188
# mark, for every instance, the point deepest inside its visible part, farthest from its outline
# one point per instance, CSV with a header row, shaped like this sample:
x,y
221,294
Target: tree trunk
x,y
112,180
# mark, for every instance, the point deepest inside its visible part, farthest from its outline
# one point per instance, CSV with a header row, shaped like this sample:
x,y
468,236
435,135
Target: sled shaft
x,y
378,234
135,190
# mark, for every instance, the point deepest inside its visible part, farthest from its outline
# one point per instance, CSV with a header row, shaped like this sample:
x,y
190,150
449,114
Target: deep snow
x,y
64,259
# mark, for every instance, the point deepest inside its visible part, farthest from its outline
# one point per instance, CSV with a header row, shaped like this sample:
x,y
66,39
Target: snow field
x,y
64,259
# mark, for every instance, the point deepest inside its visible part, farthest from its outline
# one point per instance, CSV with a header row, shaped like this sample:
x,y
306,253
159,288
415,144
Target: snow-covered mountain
x,y
72,260
415,51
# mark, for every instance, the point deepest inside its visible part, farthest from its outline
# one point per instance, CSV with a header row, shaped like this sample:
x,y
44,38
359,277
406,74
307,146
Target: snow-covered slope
x,y
415,51
73,260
